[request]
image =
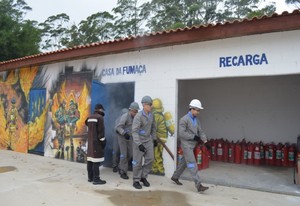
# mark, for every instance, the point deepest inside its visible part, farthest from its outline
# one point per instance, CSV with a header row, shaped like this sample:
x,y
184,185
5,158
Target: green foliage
x,y
18,37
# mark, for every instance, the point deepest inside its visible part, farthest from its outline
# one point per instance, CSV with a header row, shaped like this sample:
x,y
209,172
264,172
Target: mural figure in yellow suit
x,y
164,124
12,125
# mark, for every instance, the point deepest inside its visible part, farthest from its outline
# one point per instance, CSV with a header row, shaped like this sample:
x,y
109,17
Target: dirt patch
x,y
145,198
7,169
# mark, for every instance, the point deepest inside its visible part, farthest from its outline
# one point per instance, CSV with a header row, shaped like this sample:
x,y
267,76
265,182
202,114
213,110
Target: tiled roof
x,y
265,24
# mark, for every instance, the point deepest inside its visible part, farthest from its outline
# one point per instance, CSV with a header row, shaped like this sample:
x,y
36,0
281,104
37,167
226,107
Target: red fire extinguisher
x,y
262,153
179,154
292,154
205,157
198,156
226,151
231,152
250,151
267,154
238,153
213,150
244,153
257,154
278,154
272,154
285,155
220,150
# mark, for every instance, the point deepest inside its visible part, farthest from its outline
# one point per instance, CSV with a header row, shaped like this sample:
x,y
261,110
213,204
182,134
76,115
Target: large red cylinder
x,y
250,150
220,150
213,150
292,154
205,157
198,156
272,154
267,154
285,155
262,153
231,152
278,161
238,153
226,151
257,155
244,153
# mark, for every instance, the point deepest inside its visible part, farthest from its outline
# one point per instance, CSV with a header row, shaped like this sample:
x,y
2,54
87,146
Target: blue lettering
x,y
243,60
263,58
222,62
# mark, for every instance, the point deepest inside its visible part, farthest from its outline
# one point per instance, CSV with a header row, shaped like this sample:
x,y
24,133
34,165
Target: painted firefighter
x,y
164,125
11,124
61,119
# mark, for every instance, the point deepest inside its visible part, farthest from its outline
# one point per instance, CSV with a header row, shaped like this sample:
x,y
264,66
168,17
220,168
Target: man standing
x,y
144,138
116,146
123,129
190,133
96,144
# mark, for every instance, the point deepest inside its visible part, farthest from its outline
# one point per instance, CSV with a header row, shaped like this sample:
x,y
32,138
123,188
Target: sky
x,y
79,10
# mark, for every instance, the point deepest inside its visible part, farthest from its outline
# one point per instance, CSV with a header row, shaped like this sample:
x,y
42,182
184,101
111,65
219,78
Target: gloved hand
x,y
196,138
207,145
127,136
155,143
142,148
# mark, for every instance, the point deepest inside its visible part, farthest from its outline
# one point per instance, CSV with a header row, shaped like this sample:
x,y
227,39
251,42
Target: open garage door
x,y
256,108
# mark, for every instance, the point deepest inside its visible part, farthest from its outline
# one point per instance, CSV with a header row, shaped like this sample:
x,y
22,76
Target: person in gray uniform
x,y
116,146
144,140
123,130
189,134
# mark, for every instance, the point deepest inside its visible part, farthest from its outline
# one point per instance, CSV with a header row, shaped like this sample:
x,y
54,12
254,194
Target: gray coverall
x,y
189,126
124,126
143,132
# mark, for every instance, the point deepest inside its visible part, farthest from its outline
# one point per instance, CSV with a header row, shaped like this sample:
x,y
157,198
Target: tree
x,y
54,30
18,37
128,20
295,3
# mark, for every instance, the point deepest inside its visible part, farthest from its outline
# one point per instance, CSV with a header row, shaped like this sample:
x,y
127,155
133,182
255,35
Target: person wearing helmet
x,y
96,144
116,146
123,129
189,134
144,138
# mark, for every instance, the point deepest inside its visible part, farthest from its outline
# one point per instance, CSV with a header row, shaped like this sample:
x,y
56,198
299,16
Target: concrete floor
x,y
261,178
27,179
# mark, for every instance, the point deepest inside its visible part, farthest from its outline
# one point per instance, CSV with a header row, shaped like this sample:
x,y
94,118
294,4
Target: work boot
x,y
137,185
176,181
90,180
201,188
115,169
124,176
99,182
145,182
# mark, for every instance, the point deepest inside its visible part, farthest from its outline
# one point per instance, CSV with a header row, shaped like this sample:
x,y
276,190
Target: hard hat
x,y
134,106
147,100
195,103
157,104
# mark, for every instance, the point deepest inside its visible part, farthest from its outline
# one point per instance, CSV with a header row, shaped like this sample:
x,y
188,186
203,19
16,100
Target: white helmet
x,y
195,103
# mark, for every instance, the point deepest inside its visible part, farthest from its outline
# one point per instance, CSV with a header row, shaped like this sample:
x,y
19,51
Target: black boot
x,y
145,182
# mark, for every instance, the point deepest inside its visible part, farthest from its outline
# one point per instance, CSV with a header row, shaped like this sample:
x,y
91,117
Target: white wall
x,y
164,66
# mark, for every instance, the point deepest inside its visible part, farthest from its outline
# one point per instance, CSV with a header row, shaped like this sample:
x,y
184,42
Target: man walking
x,y
123,129
144,138
96,144
190,133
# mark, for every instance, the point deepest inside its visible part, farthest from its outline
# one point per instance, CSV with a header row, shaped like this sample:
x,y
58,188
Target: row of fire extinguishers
x,y
242,152
258,153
